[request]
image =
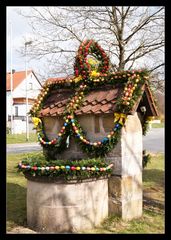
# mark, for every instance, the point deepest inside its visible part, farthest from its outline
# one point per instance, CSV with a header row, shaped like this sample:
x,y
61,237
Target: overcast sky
x,y
21,32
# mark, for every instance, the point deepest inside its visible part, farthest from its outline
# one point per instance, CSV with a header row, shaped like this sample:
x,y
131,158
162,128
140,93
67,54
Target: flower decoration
x,y
36,121
83,66
37,165
94,74
120,117
84,80
63,168
77,79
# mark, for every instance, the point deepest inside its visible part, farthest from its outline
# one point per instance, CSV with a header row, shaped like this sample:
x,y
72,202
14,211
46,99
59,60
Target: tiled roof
x,y
96,102
101,100
18,77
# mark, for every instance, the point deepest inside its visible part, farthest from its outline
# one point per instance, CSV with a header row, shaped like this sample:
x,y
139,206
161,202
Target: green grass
x,y
16,193
158,125
20,138
152,220
153,175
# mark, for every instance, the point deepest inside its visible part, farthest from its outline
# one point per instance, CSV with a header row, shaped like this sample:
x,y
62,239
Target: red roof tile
x,y
58,98
97,101
101,100
45,112
106,107
109,96
53,111
86,108
104,101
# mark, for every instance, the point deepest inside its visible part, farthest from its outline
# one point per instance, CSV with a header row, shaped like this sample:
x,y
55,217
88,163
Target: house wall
x,y
8,104
19,126
19,123
21,109
20,90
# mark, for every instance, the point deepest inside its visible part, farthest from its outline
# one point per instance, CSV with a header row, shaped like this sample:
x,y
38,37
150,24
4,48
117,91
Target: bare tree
x,y
133,37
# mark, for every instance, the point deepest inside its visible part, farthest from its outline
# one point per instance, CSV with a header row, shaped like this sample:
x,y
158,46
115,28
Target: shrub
x,y
146,158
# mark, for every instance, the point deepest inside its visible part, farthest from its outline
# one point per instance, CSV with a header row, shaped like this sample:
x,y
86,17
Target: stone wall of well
x,y
125,184
55,207
88,123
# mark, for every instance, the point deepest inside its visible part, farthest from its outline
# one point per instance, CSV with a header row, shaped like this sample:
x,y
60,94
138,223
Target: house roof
x,y
98,101
18,77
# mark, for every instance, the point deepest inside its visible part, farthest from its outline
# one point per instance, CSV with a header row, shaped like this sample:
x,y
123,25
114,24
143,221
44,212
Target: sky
x,y
21,32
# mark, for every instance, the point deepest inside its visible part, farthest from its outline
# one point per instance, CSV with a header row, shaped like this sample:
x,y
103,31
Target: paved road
x,y
23,147
152,142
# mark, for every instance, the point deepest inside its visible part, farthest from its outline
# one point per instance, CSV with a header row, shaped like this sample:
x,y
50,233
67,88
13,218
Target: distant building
x,y
19,98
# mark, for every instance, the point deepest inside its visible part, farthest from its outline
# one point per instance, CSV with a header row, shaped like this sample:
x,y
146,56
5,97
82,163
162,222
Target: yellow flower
x,y
150,118
92,61
94,74
36,121
77,79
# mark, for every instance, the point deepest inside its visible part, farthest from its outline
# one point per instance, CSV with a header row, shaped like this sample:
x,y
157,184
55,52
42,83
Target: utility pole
x,y
11,81
27,118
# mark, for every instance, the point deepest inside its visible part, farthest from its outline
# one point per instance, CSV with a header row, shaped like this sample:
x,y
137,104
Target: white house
x,y
18,108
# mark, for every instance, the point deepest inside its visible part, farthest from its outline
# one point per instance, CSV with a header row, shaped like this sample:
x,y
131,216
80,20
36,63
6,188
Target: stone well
x,y
125,184
60,206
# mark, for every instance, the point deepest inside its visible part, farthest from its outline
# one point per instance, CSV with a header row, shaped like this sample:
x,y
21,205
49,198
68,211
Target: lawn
x,y
157,125
152,220
20,138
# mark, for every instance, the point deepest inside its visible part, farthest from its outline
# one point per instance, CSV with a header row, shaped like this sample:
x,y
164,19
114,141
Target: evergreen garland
x,y
38,165
85,80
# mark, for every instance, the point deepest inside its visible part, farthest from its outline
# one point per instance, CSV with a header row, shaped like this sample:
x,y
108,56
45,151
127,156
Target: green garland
x,y
38,165
82,66
85,81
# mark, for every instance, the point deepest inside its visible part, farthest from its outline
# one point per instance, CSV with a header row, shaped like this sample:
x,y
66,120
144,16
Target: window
x,y
16,111
30,86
